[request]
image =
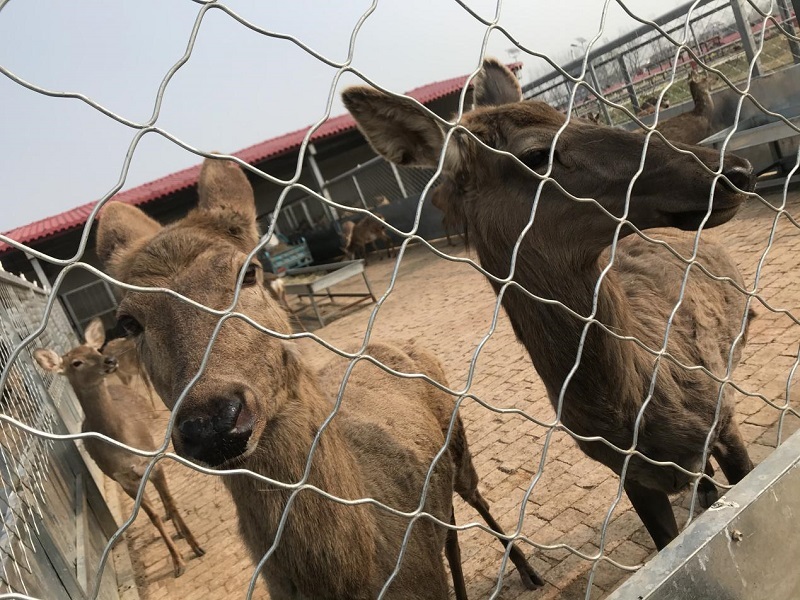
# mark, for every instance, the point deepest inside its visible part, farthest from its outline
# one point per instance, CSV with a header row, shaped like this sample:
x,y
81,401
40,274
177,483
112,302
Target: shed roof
x,y
271,148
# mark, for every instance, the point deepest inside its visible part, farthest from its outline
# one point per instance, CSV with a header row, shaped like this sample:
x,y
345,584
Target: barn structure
x,y
338,163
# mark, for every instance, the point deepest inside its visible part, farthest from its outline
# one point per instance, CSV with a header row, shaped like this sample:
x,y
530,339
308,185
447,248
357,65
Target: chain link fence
x,y
53,546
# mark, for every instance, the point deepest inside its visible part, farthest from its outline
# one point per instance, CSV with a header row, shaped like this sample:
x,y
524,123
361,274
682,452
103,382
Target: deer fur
x,y
117,411
648,107
259,405
123,350
364,232
561,259
694,126
439,198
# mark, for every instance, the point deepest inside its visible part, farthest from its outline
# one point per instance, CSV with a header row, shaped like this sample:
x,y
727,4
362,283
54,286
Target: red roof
x,y
76,217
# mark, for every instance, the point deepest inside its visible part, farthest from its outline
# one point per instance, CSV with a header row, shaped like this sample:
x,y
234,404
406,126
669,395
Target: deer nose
x,y
219,434
741,175
110,361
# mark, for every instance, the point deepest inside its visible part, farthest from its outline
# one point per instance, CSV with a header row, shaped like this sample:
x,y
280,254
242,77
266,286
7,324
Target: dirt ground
x,y
448,307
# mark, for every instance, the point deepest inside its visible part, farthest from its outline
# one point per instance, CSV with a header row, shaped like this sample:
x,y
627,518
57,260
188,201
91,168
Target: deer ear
x,y
119,227
223,184
95,334
495,84
49,360
397,128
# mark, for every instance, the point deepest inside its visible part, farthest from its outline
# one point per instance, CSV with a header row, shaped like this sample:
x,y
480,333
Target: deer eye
x,y
250,275
129,325
77,363
535,158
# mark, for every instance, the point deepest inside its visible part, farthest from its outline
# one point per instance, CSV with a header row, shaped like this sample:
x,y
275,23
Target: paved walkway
x,y
448,307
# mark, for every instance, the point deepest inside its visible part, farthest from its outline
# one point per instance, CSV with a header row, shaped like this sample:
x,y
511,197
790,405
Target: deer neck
x,y
703,103
323,542
557,265
99,413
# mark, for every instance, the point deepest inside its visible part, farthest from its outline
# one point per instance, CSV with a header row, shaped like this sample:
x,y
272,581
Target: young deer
x,y
258,405
363,232
561,259
694,126
116,411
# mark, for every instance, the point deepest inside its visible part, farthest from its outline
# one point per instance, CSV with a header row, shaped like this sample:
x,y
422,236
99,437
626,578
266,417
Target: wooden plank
x,y
80,533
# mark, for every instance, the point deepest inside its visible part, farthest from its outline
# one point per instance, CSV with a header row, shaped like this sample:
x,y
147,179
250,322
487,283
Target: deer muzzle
x,y
217,433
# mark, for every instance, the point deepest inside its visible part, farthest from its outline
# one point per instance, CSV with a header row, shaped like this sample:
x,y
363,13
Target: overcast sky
x,y
238,88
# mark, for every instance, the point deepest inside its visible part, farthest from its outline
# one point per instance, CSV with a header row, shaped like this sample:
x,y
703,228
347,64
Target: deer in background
x,y
562,257
694,126
366,231
648,107
117,411
258,405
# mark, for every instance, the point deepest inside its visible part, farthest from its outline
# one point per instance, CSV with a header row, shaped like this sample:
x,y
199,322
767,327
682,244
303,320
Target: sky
x,y
239,87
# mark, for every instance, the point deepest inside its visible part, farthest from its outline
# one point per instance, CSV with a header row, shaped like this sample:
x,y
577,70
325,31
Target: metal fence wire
x,y
39,413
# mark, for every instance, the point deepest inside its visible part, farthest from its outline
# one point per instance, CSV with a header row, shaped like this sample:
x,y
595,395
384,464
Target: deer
x,y
694,126
562,257
115,411
259,405
363,232
648,107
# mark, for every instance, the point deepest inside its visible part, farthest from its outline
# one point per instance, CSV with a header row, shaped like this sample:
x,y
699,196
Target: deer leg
x,y
530,578
707,492
453,553
731,453
160,483
655,511
390,251
178,564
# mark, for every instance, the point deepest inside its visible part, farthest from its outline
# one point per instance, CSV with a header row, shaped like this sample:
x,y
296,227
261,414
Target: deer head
x,y
84,366
589,161
243,385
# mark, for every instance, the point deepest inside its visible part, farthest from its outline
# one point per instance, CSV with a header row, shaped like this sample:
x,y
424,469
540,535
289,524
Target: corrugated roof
x,y
283,144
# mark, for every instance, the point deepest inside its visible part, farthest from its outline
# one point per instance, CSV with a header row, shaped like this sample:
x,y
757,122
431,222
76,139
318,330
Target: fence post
x,y
746,34
626,76
399,180
37,268
786,21
596,84
333,215
360,193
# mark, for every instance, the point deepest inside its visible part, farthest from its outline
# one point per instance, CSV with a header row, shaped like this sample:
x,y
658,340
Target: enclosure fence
x,y
44,484
53,516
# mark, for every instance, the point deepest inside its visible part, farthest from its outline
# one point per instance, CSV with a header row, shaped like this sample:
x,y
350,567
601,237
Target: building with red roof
x,y
336,147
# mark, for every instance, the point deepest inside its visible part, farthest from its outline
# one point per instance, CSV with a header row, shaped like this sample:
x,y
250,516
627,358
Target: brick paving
x,y
448,308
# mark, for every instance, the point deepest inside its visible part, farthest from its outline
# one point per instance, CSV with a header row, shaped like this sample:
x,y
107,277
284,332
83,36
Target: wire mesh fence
x,y
522,431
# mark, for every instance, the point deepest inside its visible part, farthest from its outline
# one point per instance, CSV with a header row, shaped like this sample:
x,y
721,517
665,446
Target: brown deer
x,y
561,259
694,126
648,107
116,411
258,405
364,232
